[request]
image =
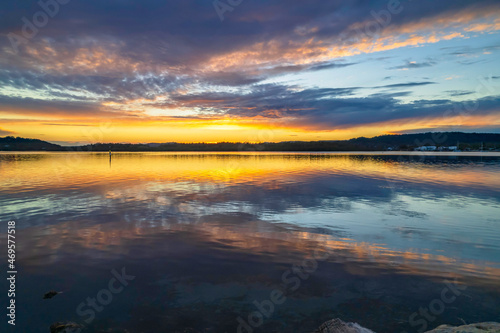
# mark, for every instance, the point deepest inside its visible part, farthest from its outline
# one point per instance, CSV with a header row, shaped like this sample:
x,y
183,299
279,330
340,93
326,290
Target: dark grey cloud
x,y
471,62
469,51
406,85
329,65
21,105
331,108
6,132
414,65
386,94
456,93
264,100
62,124
352,112
246,78
93,87
233,79
461,128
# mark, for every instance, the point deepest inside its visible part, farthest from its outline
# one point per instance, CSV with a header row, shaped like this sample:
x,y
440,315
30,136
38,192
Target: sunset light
x,y
250,166
396,66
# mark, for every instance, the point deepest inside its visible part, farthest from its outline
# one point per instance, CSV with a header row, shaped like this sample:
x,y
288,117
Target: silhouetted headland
x,y
403,142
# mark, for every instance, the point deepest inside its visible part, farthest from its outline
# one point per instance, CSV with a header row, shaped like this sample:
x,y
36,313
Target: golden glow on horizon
x,y
219,130
142,120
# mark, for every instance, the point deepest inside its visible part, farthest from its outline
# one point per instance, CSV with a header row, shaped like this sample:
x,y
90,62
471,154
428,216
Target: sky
x,y
75,72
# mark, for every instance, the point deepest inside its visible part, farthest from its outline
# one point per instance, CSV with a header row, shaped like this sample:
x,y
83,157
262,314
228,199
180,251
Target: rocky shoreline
x,y
338,326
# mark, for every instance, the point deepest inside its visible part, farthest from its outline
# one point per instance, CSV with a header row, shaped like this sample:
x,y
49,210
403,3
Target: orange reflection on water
x,y
134,181
115,239
80,170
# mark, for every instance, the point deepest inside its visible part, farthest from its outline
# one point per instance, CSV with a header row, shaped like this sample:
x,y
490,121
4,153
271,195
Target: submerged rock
x,y
490,327
68,327
51,294
338,326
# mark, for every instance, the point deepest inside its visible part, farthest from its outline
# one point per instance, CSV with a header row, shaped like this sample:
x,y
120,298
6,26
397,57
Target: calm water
x,y
365,238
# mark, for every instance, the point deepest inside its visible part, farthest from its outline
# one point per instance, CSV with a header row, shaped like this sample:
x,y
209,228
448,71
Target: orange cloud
x,y
431,30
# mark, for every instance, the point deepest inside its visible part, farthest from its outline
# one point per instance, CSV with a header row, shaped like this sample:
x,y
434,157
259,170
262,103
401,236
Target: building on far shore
x,y
434,148
426,148
450,148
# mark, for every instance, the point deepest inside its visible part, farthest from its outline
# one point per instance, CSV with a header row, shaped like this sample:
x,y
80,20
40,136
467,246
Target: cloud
x,y
468,51
413,65
33,106
462,128
90,87
406,85
455,93
326,108
6,132
135,60
86,37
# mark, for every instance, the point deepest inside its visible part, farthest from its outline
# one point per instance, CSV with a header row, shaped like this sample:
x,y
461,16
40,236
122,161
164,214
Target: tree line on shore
x,y
404,142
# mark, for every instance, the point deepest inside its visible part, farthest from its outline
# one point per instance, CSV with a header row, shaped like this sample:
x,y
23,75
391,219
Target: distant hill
x,y
10,143
466,141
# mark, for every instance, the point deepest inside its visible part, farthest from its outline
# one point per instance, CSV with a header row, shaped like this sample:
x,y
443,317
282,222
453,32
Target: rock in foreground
x,y
473,328
338,326
61,327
